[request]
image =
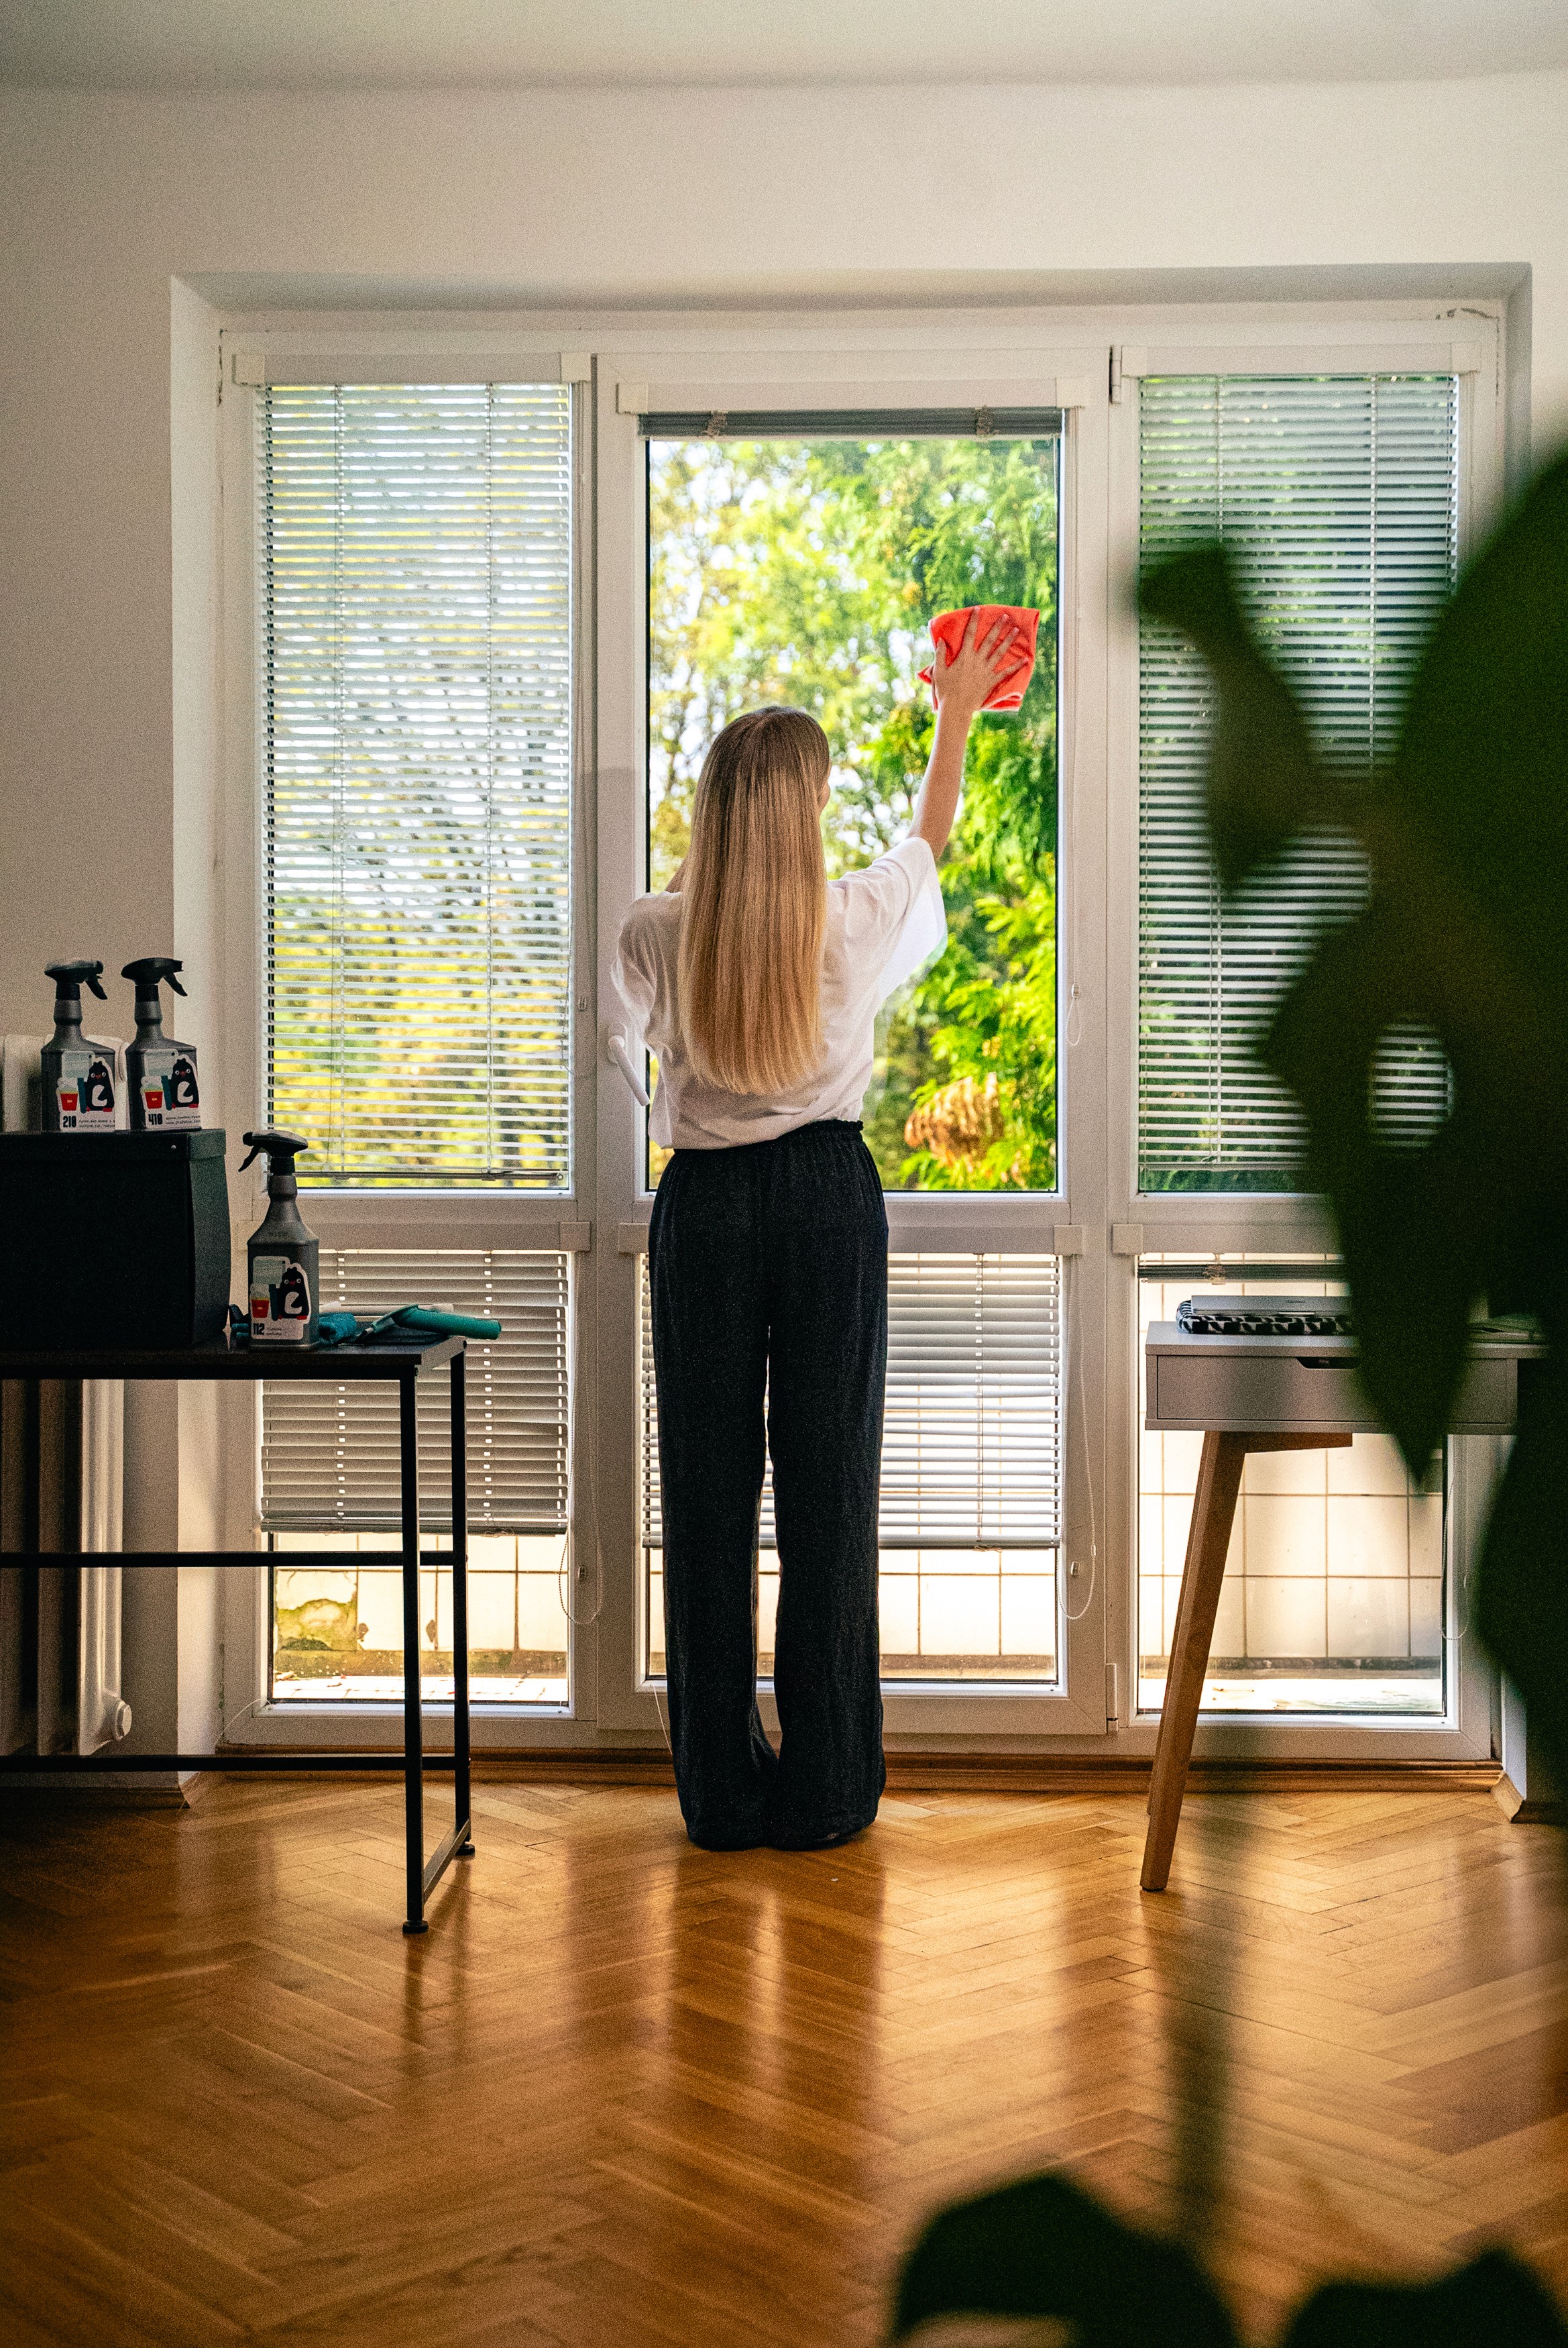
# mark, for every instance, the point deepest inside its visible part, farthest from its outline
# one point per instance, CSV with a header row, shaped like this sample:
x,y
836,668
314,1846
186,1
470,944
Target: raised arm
x,y
959,688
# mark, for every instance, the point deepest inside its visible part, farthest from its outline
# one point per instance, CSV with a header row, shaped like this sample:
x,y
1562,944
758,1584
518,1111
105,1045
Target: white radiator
x,y
61,1492
62,1485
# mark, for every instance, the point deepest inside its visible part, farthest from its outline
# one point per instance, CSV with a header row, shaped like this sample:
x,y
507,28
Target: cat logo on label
x,y
280,1301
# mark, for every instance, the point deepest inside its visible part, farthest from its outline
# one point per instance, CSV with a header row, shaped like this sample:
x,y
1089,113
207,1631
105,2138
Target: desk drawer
x,y
1302,1394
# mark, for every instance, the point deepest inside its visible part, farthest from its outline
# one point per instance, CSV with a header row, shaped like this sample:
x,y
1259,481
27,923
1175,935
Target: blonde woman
x,y
757,981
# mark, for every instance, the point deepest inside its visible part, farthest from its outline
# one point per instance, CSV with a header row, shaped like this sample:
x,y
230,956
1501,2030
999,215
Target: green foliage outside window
x,y
809,572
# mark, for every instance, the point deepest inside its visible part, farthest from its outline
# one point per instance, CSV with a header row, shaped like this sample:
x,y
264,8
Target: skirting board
x,y
1007,1773
1522,1810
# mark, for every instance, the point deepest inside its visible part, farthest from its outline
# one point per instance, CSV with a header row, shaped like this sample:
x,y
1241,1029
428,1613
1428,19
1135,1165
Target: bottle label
x,y
280,1301
84,1093
171,1099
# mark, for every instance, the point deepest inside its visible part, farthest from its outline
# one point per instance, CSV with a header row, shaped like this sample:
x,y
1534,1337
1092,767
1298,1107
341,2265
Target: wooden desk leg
x,y
1208,1545
1213,1514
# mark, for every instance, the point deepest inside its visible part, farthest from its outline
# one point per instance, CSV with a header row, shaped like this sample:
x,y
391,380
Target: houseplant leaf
x,y
1494,2303
1041,2248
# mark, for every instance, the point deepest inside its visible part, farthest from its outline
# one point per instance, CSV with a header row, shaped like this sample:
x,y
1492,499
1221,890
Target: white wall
x,y
114,207
596,198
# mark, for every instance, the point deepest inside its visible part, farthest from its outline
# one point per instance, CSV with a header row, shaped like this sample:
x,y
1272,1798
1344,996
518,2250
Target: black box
x,y
113,1239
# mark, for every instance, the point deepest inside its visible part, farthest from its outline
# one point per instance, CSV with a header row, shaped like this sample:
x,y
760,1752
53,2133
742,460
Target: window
x,y
1337,497
1333,1599
970,1507
801,558
330,1488
417,632
463,570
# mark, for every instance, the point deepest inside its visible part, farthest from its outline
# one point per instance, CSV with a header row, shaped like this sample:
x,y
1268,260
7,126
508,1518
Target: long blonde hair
x,y
754,900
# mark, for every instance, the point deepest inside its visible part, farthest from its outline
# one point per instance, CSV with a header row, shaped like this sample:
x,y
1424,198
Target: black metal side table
x,y
407,1360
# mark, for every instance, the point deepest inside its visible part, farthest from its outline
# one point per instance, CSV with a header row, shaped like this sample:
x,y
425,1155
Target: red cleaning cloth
x,y
947,631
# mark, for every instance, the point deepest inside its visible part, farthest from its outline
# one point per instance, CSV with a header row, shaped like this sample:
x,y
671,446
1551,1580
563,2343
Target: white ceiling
x,y
163,45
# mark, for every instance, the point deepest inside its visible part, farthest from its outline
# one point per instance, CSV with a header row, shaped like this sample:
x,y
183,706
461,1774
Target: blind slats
x,y
416,544
330,1454
970,1446
1337,501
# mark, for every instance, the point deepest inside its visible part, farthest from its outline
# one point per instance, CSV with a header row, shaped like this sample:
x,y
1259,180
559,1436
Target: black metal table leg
x,y
396,1357
461,1821
413,1743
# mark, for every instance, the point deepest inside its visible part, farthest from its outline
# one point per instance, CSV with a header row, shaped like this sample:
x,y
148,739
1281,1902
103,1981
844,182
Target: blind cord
x,y
583,1621
1075,1350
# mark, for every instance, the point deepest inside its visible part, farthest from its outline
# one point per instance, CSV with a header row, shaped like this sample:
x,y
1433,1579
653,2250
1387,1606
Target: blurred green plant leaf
x,y
1481,771
1042,2248
1520,1598
1494,2303
1465,936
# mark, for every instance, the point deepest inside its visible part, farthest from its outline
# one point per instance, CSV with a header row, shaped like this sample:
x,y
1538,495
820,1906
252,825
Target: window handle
x,y
615,1045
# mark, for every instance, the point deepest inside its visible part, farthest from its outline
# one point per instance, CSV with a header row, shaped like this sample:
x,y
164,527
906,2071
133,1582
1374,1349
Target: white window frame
x,y
1413,338
250,357
932,365
1096,1221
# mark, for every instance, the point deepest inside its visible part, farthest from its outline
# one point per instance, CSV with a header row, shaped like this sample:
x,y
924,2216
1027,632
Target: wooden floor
x,y
628,2093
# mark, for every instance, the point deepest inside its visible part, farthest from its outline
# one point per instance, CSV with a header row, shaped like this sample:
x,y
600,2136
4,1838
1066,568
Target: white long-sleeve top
x,y
881,926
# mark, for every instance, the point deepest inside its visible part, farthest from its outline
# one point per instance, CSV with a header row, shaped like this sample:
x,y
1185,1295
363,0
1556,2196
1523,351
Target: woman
x,y
756,981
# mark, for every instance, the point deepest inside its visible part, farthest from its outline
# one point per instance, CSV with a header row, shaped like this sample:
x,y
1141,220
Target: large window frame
x,y
1096,1222
426,1216
1409,338
708,373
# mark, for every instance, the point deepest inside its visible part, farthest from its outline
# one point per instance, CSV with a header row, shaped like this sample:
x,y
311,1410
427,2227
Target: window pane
x,y
417,668
330,1453
337,1630
1333,1594
330,1482
1338,498
807,572
970,1507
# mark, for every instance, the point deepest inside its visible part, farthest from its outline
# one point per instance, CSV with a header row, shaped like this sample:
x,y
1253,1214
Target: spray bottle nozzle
x,y
279,1149
70,977
152,971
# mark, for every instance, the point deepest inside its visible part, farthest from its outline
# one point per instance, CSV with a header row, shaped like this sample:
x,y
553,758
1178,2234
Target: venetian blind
x,y
854,423
330,1454
1338,499
970,1446
417,663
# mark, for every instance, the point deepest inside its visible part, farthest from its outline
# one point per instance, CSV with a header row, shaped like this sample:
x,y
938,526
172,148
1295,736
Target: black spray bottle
x,y
79,1077
281,1255
159,1071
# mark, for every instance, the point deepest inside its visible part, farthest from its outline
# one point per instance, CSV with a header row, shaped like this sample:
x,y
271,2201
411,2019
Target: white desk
x,y
1261,1394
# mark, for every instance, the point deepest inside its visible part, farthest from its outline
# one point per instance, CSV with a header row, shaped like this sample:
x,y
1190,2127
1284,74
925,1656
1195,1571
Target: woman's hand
x,y
960,686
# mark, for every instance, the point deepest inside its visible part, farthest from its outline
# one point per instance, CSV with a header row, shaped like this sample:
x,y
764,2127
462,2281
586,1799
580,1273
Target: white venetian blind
x,y
417,572
970,1447
330,1453
1338,499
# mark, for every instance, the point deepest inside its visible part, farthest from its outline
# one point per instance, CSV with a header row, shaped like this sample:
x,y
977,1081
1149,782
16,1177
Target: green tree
x,y
809,572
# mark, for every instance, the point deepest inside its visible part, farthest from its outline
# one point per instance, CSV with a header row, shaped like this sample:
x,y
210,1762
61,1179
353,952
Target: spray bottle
x,y
160,1071
281,1255
79,1077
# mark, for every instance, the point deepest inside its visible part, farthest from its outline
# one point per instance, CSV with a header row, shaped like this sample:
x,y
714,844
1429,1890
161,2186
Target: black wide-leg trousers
x,y
768,1266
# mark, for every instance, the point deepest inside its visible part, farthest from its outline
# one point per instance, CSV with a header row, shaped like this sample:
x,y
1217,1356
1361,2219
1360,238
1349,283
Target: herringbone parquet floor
x,y
627,2094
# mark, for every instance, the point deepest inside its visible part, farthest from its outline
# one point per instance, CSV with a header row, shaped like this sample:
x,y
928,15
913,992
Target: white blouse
x,y
882,925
